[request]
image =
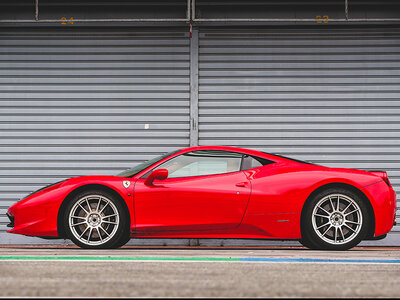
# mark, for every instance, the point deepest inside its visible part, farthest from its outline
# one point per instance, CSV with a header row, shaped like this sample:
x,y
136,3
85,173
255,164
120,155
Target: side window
x,y
250,162
203,162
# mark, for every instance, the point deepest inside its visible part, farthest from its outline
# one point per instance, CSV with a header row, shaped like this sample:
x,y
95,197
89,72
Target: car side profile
x,y
213,192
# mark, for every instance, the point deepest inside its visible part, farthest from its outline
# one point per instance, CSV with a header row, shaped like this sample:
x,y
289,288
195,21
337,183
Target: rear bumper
x,y
383,201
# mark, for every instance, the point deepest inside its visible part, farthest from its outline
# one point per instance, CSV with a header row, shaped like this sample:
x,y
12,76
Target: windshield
x,y
139,168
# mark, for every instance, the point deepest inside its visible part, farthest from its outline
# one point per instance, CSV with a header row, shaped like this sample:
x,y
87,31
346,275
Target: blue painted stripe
x,y
199,259
321,260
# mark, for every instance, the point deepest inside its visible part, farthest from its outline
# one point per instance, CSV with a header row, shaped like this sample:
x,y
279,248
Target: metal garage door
x,y
331,96
89,102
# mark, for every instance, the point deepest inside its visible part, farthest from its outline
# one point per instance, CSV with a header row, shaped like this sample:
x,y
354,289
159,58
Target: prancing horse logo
x,y
126,183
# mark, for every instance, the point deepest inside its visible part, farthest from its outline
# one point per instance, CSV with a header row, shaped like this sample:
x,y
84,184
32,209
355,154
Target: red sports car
x,y
213,192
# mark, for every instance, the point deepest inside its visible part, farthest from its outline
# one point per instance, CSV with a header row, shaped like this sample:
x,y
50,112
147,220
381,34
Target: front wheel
x,y
335,219
94,219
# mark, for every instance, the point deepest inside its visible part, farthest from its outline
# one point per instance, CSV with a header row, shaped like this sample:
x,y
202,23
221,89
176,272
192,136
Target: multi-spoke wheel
x,y
335,219
96,220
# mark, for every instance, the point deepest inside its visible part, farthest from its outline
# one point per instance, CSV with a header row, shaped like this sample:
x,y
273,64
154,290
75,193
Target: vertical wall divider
x,y
194,87
194,97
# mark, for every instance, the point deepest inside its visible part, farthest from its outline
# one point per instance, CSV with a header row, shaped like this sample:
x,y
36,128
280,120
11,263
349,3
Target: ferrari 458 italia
x,y
213,192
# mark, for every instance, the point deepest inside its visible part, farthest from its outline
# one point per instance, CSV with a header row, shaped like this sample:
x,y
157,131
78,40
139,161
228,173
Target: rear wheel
x,y
94,219
308,244
335,219
123,241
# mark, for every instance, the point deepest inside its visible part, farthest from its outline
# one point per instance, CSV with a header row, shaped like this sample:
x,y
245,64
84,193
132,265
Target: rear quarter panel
x,y
280,190
383,201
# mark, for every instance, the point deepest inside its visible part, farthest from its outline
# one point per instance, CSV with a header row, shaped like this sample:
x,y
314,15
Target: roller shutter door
x,y
82,102
330,96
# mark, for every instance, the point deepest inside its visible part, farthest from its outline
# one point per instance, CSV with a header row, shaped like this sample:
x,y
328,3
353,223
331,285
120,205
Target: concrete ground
x,y
198,272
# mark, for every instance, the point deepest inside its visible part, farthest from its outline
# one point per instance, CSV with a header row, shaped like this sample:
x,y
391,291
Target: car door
x,y
205,190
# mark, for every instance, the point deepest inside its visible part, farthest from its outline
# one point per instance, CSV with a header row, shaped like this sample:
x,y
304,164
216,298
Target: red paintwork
x,y
37,214
266,203
160,174
191,203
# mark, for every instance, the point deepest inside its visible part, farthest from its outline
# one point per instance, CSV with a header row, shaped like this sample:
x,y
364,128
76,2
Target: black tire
x,y
328,225
308,244
125,239
117,231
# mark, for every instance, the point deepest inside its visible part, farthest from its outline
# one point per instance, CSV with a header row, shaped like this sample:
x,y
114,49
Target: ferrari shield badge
x,y
126,183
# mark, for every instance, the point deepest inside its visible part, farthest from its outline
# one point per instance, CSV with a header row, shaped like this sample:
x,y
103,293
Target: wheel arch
x,y
81,189
371,229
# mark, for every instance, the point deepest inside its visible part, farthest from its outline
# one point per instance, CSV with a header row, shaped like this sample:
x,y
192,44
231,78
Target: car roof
x,y
269,156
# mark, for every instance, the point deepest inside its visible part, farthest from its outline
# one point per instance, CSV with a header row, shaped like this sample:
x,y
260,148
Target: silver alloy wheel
x,y
337,219
94,220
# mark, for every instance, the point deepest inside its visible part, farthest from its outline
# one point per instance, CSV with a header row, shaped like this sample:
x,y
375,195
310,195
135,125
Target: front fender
x,y
37,215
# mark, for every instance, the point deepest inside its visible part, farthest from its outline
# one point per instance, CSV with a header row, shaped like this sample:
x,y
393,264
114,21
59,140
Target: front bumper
x,y
36,215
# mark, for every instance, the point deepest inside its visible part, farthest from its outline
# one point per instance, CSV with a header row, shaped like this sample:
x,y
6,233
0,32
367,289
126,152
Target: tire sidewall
x,y
312,237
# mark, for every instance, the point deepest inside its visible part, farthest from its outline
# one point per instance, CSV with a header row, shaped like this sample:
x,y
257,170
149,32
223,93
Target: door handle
x,y
241,184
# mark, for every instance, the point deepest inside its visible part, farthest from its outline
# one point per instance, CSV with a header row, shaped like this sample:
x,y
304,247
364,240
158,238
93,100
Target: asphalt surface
x,y
198,272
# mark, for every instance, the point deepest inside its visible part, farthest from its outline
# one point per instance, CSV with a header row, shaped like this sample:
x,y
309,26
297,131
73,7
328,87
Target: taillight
x,y
383,175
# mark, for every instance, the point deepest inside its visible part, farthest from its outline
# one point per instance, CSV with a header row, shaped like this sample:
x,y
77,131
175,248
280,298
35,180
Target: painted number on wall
x,y
322,19
64,21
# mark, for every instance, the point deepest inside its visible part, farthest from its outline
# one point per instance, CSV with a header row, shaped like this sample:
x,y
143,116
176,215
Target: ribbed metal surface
x,y
87,102
330,96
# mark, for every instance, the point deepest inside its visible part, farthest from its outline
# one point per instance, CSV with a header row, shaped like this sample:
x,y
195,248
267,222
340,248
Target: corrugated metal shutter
x,y
331,96
81,102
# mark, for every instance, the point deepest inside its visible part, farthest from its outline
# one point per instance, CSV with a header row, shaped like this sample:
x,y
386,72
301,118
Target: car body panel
x,y
37,214
268,206
197,203
280,192
383,201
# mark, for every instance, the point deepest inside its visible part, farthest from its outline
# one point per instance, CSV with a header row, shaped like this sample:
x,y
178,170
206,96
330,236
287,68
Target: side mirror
x,y
159,174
